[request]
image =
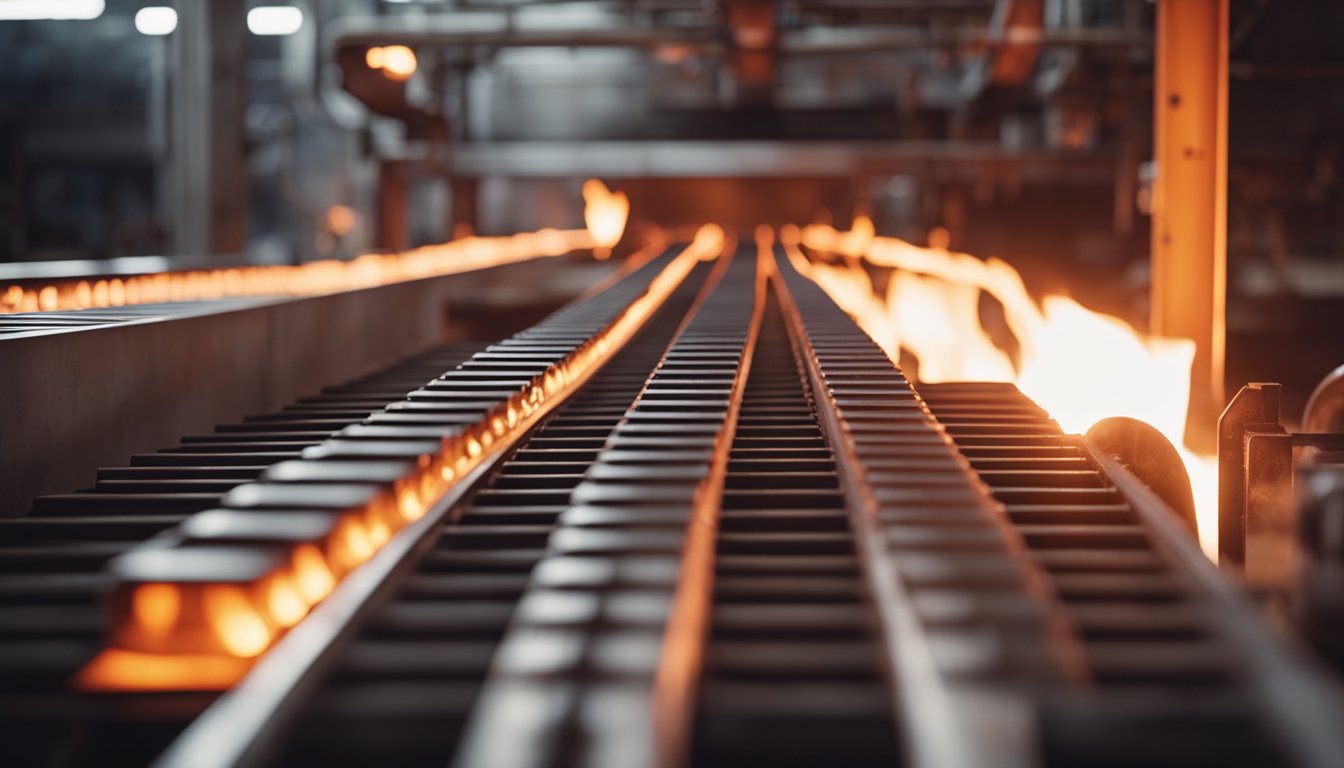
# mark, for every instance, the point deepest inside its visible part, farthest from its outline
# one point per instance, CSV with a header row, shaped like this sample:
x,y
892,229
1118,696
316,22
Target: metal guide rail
x,y
55,573
33,322
970,627
1159,661
53,583
1181,671
793,671
600,662
404,679
735,535
225,584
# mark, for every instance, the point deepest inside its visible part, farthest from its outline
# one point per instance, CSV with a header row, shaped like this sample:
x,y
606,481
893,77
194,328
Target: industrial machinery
x,y
695,517
759,465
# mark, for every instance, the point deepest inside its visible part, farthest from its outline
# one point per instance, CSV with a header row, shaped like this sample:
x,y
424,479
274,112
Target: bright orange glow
x,y
341,220
312,575
157,607
244,622
310,279
235,621
284,602
373,57
116,669
379,533
1080,365
605,213
398,63
358,546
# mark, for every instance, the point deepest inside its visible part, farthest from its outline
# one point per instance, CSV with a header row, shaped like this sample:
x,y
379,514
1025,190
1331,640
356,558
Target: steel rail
x,y
237,729
530,706
1297,696
944,723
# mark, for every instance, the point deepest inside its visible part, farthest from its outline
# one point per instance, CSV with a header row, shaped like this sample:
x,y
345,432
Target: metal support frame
x,y
1256,403
1270,515
208,190
1257,510
394,213
1189,228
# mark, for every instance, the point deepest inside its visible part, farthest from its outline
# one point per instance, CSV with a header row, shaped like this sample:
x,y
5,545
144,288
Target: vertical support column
x,y
1189,228
394,213
208,155
754,36
464,191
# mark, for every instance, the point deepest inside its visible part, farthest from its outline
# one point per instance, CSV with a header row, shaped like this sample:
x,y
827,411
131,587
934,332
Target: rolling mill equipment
x,y
876,415
695,517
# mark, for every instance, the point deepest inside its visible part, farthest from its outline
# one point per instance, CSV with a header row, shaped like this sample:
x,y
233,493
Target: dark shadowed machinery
x,y
735,473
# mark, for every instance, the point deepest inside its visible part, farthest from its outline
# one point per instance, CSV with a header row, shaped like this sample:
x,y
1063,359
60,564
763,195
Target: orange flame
x,y
605,213
1080,365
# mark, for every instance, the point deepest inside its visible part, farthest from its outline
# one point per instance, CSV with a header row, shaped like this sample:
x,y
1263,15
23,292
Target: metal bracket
x,y
1256,403
1257,512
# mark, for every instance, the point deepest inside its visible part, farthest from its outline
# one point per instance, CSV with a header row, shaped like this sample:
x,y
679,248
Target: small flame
x,y
1081,366
605,213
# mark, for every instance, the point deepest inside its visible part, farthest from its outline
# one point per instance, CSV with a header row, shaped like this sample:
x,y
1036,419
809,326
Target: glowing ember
x,y
243,621
605,213
1080,365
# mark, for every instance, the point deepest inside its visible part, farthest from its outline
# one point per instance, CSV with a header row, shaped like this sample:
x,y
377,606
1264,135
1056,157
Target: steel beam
x,y
207,167
1189,231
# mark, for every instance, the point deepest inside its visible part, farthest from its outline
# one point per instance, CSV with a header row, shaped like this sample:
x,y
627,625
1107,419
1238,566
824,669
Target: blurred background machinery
x,y
1014,128
1176,164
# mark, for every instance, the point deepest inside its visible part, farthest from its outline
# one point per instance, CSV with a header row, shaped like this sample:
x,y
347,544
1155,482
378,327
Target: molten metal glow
x,y
157,607
605,213
1080,365
312,574
243,621
236,621
310,279
117,669
284,601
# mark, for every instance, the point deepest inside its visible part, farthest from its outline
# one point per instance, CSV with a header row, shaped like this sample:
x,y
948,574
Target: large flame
x,y
604,213
1080,365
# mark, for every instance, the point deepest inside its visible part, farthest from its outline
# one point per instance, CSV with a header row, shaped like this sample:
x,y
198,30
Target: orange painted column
x,y
1189,205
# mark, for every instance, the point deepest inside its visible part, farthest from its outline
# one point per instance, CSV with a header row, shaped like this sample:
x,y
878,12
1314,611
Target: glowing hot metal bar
x,y
229,582
605,213
310,279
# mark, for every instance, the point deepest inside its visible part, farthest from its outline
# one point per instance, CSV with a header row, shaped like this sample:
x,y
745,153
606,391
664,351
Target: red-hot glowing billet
x,y
605,214
229,582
